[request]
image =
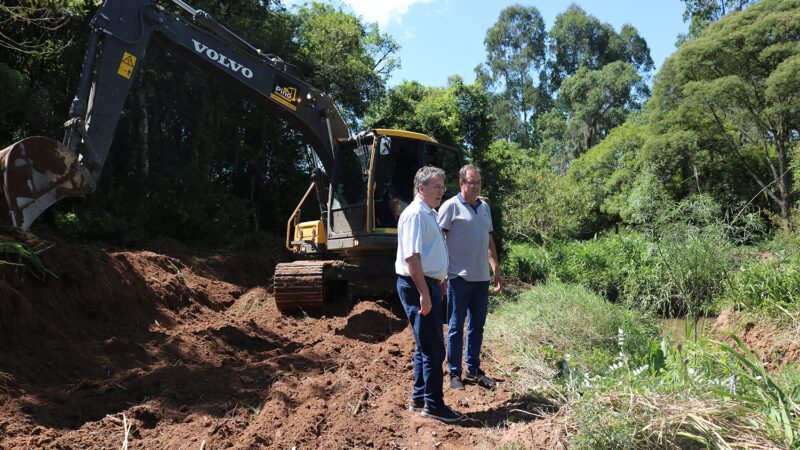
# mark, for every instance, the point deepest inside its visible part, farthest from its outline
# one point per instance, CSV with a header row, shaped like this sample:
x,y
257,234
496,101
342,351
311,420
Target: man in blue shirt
x,y
421,266
466,222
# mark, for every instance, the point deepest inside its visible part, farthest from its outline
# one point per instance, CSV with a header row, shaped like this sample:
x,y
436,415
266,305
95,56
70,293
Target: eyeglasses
x,y
438,187
472,183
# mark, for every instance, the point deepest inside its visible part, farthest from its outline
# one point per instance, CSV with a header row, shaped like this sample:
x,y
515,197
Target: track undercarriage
x,y
307,285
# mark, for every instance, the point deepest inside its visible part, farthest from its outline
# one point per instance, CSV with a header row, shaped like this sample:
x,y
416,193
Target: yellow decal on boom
x,y
285,94
126,65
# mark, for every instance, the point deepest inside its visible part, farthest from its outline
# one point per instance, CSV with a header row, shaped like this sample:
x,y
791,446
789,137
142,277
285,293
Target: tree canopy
x,y
564,121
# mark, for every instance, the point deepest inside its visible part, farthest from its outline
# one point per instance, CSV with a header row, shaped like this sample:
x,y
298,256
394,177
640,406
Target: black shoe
x,y
481,379
415,405
445,414
455,383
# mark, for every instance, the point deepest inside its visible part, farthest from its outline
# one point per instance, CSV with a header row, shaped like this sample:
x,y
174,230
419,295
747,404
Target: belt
x,y
427,278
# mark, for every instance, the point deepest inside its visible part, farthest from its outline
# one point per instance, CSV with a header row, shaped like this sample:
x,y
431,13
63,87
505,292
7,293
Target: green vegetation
x,y
22,259
617,199
540,327
620,386
769,288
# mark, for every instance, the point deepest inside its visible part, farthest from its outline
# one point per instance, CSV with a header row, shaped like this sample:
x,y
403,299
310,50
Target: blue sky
x,y
440,38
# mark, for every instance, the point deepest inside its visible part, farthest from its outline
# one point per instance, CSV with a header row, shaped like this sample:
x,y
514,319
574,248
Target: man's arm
x,y
415,269
494,261
443,284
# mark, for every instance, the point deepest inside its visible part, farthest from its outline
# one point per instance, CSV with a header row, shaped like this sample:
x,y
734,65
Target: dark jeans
x,y
429,339
466,299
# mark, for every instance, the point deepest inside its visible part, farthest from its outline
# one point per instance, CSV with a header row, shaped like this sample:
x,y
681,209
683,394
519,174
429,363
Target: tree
x,y
732,93
578,39
457,115
347,59
515,59
702,13
537,203
599,100
609,173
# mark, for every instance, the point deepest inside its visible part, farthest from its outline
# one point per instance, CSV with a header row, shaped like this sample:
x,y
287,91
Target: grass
x,y
769,288
557,322
677,272
619,386
18,256
251,302
630,419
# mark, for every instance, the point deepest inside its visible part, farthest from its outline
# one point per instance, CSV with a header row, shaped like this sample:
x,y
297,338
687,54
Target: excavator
x,y
348,251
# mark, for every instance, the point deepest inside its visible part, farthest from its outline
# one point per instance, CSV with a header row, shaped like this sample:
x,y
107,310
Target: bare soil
x,y
172,348
775,346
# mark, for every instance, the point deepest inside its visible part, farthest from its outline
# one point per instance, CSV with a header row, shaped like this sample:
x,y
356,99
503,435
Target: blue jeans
x,y
429,340
466,299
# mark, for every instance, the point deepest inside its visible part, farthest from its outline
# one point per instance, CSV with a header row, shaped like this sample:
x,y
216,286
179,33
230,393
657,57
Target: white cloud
x,y
383,11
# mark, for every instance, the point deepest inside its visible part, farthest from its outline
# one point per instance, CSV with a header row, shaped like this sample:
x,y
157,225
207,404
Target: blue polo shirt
x,y
468,229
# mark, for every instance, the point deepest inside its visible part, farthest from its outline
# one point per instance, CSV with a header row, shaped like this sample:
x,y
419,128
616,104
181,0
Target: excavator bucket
x,y
37,172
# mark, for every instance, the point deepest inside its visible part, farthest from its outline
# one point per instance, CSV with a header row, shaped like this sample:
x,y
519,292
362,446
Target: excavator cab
x,y
371,184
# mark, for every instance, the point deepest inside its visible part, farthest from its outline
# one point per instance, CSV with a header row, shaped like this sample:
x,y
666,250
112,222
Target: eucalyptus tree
x,y
516,54
599,100
578,39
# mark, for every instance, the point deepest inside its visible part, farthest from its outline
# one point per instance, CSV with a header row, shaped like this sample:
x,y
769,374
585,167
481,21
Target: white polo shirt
x,y
418,232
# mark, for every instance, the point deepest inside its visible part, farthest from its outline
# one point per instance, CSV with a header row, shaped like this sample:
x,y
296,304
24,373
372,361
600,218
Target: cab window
x,y
448,160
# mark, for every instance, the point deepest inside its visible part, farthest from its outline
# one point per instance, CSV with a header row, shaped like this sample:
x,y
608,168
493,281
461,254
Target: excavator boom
x,y
38,171
350,247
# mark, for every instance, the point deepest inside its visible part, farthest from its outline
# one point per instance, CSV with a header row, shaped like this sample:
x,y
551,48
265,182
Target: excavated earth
x,y
167,348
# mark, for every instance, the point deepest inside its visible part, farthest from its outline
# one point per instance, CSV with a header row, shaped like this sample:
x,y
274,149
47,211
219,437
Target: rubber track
x,y
300,285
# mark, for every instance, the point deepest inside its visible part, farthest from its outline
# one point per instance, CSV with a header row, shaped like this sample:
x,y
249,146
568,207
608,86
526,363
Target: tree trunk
x,y
784,186
144,136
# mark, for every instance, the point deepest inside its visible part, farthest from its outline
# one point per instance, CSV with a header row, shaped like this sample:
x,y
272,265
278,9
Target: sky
x,y
440,38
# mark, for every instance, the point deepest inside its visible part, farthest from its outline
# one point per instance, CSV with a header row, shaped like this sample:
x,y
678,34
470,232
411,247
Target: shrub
x,y
601,264
526,263
681,273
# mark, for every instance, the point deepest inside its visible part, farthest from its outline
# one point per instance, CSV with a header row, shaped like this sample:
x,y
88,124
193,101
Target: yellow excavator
x,y
349,250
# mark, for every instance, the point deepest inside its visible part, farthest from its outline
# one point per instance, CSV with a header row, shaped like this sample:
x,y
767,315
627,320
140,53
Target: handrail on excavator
x,y
294,218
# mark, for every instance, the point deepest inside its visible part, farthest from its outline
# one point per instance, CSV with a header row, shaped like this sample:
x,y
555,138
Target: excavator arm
x,y
38,171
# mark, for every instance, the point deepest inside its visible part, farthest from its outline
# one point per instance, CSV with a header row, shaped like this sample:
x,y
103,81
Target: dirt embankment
x,y
776,347
188,350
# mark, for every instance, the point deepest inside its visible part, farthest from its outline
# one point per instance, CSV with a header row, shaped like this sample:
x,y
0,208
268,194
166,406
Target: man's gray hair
x,y
462,174
424,175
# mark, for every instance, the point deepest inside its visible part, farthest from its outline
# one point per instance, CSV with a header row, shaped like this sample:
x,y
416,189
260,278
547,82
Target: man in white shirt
x,y
421,266
466,223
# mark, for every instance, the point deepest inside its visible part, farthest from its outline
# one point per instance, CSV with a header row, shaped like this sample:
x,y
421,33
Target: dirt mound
x,y
173,348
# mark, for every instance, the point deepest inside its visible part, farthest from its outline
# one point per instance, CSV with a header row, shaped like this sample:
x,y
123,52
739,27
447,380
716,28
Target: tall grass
x,y
555,323
674,266
20,258
769,288
679,274
621,386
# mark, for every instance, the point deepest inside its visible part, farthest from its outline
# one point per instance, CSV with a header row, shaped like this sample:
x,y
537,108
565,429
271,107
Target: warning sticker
x,y
126,65
285,94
